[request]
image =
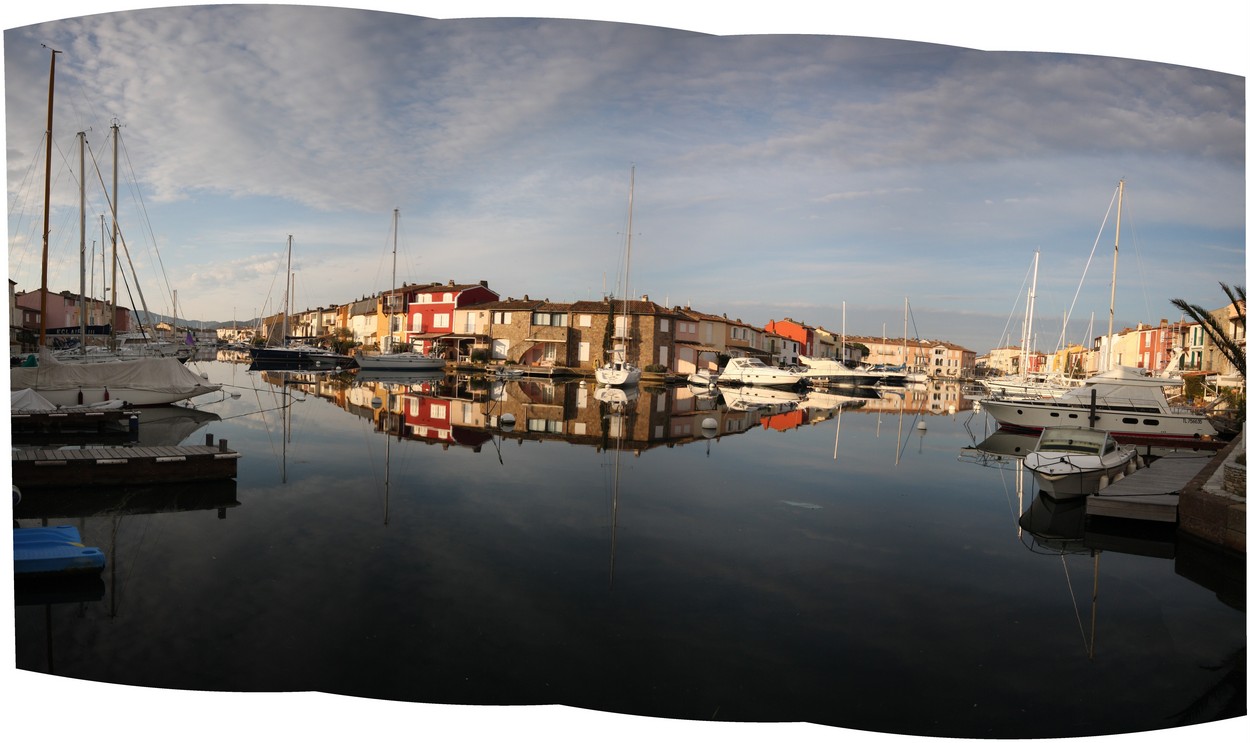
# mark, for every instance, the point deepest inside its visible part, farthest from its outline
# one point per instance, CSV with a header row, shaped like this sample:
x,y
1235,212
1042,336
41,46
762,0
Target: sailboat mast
x,y
1026,341
290,282
47,201
113,206
82,243
629,241
390,324
906,330
1115,259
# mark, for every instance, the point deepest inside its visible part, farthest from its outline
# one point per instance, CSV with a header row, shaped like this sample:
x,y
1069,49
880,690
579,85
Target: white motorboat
x,y
1075,461
618,373
834,373
703,378
749,370
1123,402
771,399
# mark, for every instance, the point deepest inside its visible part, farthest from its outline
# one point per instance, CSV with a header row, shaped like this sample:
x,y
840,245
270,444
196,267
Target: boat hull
x,y
625,375
400,362
276,358
140,383
1036,415
53,551
1075,476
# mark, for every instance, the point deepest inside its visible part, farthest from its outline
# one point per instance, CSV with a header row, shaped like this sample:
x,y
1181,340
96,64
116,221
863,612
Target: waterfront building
x,y
66,310
647,333
431,307
699,340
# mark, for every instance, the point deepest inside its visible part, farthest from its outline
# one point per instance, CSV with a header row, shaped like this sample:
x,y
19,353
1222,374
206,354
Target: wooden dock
x,y
72,420
1151,493
123,465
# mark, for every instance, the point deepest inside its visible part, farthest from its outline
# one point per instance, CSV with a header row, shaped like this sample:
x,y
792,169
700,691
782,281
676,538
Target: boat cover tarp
x,y
27,400
161,374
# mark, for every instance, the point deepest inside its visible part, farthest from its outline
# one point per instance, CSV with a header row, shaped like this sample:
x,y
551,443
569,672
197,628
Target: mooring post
x,y
222,445
208,439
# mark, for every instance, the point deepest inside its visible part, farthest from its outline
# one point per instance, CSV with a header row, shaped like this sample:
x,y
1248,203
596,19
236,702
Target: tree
x,y
1228,347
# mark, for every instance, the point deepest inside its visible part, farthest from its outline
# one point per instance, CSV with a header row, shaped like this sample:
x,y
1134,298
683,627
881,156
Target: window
x,y
501,318
555,319
539,425
583,321
442,320
664,325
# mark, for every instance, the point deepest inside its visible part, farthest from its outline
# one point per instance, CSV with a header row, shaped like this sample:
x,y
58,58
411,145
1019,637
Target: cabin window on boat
x,y
1151,422
1130,421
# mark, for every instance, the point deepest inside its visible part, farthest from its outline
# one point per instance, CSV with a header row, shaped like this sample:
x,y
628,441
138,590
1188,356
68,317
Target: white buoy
x,y
507,419
922,426
376,403
710,423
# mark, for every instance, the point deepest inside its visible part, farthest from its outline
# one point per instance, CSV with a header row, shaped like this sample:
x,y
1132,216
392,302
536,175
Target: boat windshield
x,y
1082,440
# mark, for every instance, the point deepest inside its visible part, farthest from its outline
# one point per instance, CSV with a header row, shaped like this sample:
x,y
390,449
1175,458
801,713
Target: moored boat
x,y
53,551
139,382
399,361
1123,402
749,370
834,373
1075,461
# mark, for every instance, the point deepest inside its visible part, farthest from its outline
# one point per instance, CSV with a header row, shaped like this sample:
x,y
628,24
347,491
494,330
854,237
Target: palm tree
x,y
1232,350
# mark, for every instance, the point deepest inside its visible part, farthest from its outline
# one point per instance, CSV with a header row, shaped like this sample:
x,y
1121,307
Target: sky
x,y
831,179
789,162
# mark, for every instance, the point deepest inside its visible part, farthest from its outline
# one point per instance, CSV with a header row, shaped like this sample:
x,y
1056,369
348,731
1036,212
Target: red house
x,y
804,335
431,309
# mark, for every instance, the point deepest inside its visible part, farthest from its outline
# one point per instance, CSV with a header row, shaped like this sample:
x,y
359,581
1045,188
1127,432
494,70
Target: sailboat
x,y
138,382
295,355
391,360
619,371
1026,383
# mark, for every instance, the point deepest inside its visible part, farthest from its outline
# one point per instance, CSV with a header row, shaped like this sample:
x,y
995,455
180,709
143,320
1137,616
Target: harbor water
x,y
846,561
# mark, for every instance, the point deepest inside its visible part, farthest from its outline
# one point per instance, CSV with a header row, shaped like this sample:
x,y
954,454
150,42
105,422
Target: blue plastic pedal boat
x,y
53,550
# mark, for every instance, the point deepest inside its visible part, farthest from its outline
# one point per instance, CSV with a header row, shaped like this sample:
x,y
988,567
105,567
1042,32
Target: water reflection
x,y
538,541
468,410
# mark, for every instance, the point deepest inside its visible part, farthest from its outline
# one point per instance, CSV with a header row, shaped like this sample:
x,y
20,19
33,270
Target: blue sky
x,y
781,170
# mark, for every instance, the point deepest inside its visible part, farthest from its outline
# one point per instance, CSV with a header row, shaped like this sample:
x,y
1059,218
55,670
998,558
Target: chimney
x,y
484,284
645,298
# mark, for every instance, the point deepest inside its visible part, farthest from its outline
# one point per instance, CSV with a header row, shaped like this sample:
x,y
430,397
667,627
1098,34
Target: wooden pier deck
x,y
1151,493
122,465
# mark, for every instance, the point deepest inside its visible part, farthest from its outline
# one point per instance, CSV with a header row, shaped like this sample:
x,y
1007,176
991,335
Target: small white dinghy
x,y
1074,461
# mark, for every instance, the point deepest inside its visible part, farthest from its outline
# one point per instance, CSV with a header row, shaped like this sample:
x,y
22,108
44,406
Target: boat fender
x,y
1102,483
1132,465
1118,477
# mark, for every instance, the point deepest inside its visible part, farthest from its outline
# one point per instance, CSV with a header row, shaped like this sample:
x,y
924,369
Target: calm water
x,y
834,565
